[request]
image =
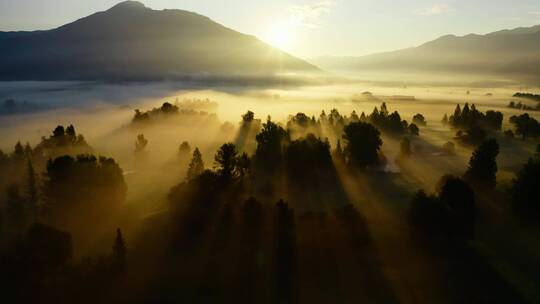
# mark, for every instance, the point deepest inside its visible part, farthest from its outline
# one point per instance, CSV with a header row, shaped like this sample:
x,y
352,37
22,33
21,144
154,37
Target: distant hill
x,y
132,42
509,52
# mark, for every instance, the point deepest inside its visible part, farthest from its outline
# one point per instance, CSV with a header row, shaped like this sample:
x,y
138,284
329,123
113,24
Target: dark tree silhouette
x,y
63,141
483,164
243,165
32,191
338,153
59,132
83,192
526,126
249,127
473,136
363,142
444,120
268,159
46,248
18,152
140,143
390,123
458,196
413,130
284,254
119,252
525,191
493,120
166,109
419,120
427,215
225,161
311,177
16,209
270,143
470,117
449,215
299,120
28,151
531,96
405,147
196,166
184,150
248,117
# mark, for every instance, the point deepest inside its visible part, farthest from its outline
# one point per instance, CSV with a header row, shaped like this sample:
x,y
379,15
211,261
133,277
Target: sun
x,y
280,35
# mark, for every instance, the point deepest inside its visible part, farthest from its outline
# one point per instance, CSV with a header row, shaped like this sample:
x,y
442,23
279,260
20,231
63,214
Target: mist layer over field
x,y
100,110
110,117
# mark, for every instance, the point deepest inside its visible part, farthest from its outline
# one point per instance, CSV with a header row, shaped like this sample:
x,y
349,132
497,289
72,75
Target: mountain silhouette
x,y
133,42
508,52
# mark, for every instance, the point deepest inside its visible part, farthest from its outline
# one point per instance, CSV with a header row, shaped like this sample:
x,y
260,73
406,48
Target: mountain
x,y
133,42
509,52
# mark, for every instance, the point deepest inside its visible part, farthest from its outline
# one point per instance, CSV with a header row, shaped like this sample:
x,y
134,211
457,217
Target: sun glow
x,y
280,35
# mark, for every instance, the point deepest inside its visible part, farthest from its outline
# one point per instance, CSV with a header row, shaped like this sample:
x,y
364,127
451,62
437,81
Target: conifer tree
x,y
32,190
483,164
119,251
196,166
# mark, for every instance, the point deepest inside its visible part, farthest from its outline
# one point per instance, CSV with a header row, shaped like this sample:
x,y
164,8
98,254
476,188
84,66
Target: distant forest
x,y
301,211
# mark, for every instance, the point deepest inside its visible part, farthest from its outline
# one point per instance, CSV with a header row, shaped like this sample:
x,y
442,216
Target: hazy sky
x,y
310,28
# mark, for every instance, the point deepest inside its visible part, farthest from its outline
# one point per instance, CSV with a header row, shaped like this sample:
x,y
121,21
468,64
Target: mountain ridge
x,y
514,52
130,41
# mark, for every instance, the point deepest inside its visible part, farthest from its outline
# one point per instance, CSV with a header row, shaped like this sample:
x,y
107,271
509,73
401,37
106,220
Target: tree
x,y
300,120
18,152
15,208
525,191
243,165
225,161
413,130
70,133
390,123
363,142
338,152
493,120
483,164
184,150
32,189
28,151
83,192
271,138
46,248
140,144
526,126
248,117
59,132
119,251
284,253
458,196
509,134
63,141
405,147
196,166
444,120
354,117
419,120
473,136
271,142
427,215
470,117
448,215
